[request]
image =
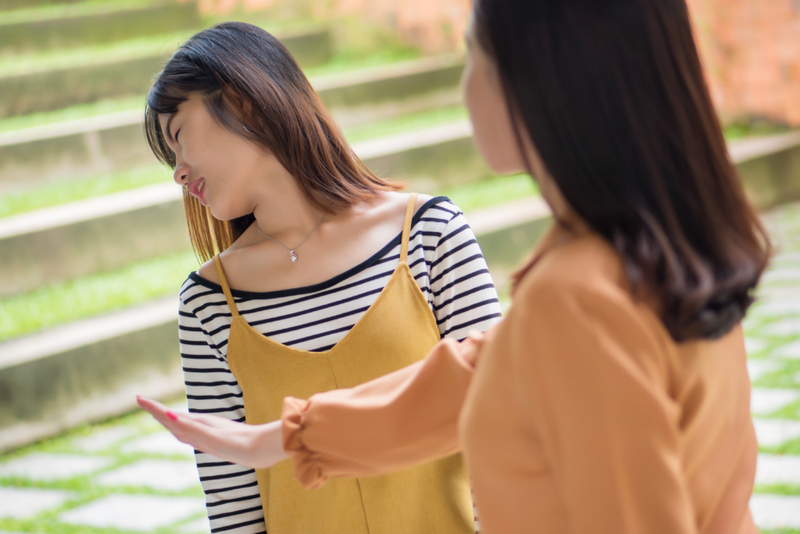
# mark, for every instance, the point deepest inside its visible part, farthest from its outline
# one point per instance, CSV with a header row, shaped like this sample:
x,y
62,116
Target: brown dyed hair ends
x,y
253,87
613,97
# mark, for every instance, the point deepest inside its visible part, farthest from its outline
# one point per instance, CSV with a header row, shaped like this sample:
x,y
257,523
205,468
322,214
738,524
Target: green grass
x,y
371,49
92,295
406,123
143,281
74,57
84,487
791,447
346,61
491,192
741,130
359,46
777,489
80,111
57,11
782,378
73,190
343,61
467,197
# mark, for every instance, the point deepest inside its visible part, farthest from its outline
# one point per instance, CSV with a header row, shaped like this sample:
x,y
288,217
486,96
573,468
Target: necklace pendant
x,y
293,256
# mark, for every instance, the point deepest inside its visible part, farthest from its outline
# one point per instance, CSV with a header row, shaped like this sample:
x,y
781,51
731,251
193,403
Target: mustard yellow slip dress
x,y
397,330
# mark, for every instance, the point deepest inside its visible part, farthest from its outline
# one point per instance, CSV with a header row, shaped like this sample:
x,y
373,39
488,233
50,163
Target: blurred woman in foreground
x,y
614,396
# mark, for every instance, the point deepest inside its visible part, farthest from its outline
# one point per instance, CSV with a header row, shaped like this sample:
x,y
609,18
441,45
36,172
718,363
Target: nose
x,y
181,175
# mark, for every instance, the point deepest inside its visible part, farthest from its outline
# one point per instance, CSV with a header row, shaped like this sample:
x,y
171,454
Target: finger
x,y
150,405
194,430
197,430
475,335
154,408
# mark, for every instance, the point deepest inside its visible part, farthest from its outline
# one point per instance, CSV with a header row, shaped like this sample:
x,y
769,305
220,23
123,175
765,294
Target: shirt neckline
x,y
304,290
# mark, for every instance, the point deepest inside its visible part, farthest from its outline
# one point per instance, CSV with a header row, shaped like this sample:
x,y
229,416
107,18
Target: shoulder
x,y
193,294
426,205
586,268
208,272
422,199
438,215
578,297
440,208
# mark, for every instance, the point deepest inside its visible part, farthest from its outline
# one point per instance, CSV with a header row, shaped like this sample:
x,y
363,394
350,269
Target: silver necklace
x,y
292,253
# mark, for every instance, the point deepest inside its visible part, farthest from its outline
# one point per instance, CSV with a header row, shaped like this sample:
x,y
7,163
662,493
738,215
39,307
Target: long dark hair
x,y
253,87
613,97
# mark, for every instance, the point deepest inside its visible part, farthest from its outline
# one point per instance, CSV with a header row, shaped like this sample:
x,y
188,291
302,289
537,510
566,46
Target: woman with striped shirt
x,y
327,276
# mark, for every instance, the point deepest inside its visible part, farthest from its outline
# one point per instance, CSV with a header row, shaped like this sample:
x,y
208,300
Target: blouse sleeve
x,y
591,376
396,421
462,291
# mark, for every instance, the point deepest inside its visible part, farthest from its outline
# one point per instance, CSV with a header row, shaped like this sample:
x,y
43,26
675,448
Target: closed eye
x,y
176,134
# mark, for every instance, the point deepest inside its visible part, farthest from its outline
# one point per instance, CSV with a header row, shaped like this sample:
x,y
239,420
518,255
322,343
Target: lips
x,y
197,188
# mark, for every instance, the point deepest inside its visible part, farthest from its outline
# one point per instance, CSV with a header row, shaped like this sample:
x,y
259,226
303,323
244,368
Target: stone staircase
x,y
75,73
86,370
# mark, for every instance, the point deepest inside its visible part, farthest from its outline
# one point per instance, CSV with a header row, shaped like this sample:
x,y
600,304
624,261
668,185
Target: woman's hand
x,y
471,347
257,446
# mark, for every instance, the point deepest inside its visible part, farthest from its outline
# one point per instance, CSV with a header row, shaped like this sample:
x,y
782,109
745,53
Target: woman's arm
x,y
393,422
398,420
255,446
232,495
462,292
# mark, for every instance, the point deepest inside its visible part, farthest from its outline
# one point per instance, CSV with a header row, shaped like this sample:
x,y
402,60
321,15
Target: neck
x,y
282,210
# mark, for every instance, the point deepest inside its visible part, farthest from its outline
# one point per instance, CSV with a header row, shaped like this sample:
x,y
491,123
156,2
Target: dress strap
x,y
412,202
225,288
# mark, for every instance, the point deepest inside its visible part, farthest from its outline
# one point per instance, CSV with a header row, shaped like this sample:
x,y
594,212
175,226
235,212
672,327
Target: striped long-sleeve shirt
x,y
446,263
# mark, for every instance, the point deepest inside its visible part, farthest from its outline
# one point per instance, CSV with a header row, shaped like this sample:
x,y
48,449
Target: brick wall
x,y
750,48
751,53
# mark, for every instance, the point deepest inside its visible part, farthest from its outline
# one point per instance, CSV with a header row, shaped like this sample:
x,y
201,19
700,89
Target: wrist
x,y
268,445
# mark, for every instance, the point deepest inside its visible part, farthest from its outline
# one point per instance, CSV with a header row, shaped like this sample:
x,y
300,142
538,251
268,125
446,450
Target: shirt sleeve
x,y
232,497
591,376
396,421
464,296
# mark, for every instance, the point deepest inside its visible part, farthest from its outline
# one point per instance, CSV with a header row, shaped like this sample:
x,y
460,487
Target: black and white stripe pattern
x,y
449,268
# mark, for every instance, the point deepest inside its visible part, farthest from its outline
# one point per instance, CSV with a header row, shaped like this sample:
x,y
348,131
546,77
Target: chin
x,y
228,215
501,161
504,167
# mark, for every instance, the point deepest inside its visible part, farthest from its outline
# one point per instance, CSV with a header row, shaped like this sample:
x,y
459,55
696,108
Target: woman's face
x,y
483,95
217,166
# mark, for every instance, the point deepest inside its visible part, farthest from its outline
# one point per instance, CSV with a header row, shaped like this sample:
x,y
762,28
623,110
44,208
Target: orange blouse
x,y
580,415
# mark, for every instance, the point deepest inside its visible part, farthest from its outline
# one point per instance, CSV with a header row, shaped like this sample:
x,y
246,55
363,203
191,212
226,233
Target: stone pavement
x,y
129,476
772,331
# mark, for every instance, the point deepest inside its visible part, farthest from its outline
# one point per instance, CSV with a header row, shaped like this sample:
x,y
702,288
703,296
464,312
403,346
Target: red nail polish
x,y
172,416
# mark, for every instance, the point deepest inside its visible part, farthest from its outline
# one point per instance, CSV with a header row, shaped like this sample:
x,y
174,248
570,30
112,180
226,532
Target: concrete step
x,y
90,236
26,4
113,142
90,23
90,370
118,71
769,167
87,371
111,231
371,94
